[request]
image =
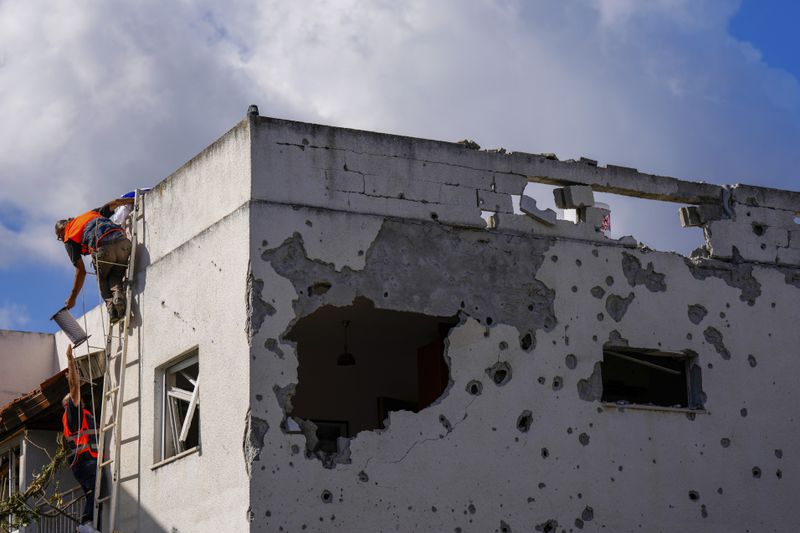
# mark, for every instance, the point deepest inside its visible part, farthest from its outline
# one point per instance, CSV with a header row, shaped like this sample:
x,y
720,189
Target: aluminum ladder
x,y
114,386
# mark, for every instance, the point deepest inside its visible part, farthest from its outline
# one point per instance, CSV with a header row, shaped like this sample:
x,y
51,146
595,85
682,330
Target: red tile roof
x,y
27,407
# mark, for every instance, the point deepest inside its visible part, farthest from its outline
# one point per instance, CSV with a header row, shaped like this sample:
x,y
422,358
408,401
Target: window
x,y
9,473
651,377
180,406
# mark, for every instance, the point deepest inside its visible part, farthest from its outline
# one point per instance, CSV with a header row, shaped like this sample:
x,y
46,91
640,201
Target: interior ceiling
x,y
323,332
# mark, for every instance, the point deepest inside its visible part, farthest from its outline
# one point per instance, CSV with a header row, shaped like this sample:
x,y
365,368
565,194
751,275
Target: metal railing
x,y
53,521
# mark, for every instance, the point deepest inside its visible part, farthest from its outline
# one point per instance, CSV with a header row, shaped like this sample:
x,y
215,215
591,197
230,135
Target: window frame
x,y
695,398
174,429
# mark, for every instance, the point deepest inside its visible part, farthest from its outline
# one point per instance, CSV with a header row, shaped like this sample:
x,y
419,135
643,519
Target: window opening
x,y
651,377
180,407
543,194
627,213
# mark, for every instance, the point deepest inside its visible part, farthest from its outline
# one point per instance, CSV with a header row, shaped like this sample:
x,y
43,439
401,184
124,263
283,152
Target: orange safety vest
x,y
82,441
74,229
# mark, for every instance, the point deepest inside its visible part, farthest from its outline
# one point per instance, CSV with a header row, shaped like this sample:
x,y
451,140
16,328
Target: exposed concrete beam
x,y
766,197
614,179
627,181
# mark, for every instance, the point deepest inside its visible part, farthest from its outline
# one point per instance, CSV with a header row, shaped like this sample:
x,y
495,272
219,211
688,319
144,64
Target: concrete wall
x,y
28,359
195,297
210,186
544,300
192,270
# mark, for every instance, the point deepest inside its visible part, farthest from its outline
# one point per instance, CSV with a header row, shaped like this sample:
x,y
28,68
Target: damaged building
x,y
392,336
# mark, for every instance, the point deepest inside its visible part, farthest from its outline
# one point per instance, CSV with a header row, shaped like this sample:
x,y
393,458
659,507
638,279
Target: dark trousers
x,y
110,275
85,472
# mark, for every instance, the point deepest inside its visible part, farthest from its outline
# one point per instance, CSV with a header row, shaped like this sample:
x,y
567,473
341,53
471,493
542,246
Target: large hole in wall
x,y
543,194
651,222
398,364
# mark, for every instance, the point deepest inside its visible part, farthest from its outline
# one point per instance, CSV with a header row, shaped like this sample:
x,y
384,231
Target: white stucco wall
x,y
27,359
195,297
191,272
211,185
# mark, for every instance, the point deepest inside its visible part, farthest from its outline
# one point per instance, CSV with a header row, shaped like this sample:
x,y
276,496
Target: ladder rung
x,y
106,462
109,426
103,499
112,391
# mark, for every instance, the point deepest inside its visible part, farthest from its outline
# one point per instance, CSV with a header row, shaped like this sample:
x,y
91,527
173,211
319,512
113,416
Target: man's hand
x,y
69,351
80,275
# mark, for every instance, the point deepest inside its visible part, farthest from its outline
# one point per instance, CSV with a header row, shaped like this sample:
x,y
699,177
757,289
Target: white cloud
x,y
13,316
98,98
33,242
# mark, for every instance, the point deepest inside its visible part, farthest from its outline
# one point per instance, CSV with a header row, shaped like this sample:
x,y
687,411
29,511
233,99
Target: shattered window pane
x,y
181,407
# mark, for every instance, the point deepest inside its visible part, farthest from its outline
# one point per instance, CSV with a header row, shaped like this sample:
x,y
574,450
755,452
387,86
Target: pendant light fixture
x,y
345,358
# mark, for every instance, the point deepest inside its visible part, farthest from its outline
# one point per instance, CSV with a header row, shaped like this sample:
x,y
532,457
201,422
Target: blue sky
x,y
771,26
102,98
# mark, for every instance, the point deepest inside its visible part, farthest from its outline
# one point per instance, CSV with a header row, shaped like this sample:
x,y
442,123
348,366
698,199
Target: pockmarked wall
x,y
398,221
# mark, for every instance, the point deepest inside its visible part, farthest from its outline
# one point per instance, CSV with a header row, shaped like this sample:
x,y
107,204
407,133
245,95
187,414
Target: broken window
x,y
358,363
9,474
180,406
651,377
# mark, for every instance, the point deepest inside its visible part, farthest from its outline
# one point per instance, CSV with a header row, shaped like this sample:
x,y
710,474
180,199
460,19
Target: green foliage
x,y
23,508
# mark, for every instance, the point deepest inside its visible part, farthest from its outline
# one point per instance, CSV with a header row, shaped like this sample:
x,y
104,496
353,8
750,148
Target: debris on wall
x,y
257,308
253,440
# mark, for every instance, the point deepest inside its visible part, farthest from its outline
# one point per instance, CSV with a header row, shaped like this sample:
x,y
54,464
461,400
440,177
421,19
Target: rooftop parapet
x,y
454,183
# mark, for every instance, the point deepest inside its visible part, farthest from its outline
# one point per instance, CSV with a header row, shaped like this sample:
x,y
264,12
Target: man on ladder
x,y
79,433
93,233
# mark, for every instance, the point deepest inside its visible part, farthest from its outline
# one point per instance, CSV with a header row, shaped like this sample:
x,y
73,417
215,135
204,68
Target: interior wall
x,y
385,345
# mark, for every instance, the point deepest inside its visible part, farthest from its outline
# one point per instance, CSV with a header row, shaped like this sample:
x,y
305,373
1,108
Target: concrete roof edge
x,y
199,155
544,168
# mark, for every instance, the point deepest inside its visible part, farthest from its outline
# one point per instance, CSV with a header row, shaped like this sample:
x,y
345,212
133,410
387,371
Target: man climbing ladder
x,y
79,433
94,233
